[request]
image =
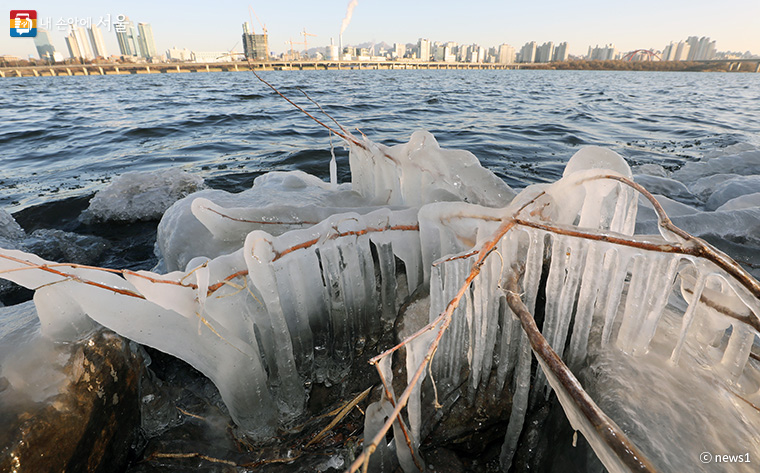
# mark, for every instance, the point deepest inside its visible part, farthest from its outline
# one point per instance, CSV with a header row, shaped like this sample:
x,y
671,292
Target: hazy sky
x,y
216,26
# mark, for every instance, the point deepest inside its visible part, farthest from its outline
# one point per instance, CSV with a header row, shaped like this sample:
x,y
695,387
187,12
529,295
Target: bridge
x,y
169,67
735,65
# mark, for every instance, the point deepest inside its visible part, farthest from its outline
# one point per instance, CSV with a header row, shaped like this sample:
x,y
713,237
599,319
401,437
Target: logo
x,y
23,23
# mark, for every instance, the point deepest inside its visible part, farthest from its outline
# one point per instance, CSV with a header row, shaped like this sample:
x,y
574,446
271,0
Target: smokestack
x,y
340,47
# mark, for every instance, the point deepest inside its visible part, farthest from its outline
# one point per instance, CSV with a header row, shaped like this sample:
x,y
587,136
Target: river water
x,y
68,136
65,138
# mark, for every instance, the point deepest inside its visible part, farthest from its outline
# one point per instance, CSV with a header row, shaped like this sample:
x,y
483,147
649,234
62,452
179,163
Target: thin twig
x,y
346,137
341,414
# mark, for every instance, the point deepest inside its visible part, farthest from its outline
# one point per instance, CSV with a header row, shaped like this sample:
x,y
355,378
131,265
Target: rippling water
x,y
68,136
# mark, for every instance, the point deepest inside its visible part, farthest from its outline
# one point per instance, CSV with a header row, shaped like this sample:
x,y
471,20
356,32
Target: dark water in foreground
x,y
68,136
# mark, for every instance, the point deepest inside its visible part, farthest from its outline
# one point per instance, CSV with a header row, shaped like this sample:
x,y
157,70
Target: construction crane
x,y
305,42
292,52
252,13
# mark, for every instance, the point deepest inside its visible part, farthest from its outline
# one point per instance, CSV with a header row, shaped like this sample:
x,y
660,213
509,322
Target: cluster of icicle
x,y
288,281
274,287
578,234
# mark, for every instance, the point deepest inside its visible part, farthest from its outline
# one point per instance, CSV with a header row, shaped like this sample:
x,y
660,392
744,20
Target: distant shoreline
x,y
112,68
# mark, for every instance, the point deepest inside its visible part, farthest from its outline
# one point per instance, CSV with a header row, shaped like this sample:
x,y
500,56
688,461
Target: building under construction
x,y
255,46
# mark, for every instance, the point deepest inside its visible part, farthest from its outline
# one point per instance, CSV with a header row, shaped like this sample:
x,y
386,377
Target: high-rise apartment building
x,y
80,36
255,46
506,54
545,53
528,53
560,53
606,53
399,50
423,49
126,35
146,41
44,45
96,38
682,51
700,49
73,47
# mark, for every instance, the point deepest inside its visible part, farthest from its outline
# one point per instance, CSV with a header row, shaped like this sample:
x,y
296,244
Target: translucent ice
x,y
143,195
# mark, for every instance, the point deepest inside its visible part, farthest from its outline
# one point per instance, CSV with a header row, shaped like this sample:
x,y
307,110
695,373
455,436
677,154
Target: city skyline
x,y
585,24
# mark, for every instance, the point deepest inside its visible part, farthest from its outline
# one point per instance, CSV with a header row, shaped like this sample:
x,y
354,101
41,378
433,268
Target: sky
x,y
216,26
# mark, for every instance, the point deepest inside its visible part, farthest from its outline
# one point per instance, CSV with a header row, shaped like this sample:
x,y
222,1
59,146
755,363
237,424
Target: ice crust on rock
x,y
141,195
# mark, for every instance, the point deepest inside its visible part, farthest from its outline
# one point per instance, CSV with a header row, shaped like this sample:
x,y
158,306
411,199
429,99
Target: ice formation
x,y
258,311
289,280
141,195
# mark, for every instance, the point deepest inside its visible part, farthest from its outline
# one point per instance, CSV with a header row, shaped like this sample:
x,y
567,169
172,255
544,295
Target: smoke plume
x,y
349,11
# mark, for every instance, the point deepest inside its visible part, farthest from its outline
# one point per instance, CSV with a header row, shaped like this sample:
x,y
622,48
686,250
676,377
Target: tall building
x,y
44,45
126,35
506,54
80,34
560,53
255,46
607,53
96,38
423,48
545,53
399,50
528,52
71,44
682,51
668,52
146,41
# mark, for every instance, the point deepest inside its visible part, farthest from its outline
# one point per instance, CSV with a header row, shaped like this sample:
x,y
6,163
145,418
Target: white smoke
x,y
349,11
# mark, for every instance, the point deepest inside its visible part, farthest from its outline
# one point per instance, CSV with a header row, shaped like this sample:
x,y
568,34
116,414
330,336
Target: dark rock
x,y
90,425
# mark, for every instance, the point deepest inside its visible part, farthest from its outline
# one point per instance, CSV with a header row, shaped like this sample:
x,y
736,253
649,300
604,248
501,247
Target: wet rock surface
x,y
90,425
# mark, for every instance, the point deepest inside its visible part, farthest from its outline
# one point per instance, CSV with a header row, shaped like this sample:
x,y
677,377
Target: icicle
x,y
659,288
737,352
519,403
593,276
619,261
388,283
480,301
574,262
688,317
382,460
300,301
258,254
554,289
640,276
415,354
493,295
